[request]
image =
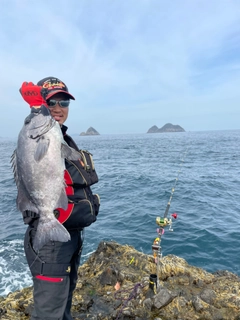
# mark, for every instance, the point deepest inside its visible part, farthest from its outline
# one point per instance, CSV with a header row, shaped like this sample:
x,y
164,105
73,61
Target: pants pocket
x,y
34,261
50,296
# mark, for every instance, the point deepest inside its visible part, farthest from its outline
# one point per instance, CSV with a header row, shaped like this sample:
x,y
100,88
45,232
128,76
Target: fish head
x,y
39,122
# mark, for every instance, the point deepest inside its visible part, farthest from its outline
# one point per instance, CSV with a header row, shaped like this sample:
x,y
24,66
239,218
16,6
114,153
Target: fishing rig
x,y
162,222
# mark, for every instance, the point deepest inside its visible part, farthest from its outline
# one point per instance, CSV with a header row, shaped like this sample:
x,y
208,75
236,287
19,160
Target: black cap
x,y
53,86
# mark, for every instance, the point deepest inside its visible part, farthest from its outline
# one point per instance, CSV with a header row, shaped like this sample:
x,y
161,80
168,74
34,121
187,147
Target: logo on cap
x,y
53,85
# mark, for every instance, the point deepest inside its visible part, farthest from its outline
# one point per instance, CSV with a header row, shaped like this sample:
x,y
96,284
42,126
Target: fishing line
x,y
176,180
37,257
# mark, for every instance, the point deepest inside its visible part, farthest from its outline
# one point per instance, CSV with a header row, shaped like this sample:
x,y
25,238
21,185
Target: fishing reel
x,y
163,222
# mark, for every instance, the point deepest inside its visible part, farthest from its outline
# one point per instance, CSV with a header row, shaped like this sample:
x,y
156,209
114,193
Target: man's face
x,y
59,113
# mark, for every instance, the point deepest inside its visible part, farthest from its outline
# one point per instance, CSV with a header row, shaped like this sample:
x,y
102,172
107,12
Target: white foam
x,y
14,271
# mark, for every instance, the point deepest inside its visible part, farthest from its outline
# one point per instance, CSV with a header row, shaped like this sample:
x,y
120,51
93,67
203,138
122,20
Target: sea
x,y
198,173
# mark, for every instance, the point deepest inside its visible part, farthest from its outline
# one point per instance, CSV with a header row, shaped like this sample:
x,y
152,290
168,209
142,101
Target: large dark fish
x,y
38,165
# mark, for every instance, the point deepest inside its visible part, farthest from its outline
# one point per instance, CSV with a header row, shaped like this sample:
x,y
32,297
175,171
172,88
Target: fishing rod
x,y
162,222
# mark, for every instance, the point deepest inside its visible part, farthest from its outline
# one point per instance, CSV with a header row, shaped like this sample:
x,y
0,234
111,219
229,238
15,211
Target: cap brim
x,y
59,91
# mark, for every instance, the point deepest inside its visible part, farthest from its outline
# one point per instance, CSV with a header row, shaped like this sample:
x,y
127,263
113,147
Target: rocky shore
x,y
114,284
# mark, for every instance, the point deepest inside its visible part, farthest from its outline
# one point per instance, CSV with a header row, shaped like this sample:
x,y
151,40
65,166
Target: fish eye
x,y
29,118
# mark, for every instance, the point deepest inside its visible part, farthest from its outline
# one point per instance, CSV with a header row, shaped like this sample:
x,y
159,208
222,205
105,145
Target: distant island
x,y
90,132
168,127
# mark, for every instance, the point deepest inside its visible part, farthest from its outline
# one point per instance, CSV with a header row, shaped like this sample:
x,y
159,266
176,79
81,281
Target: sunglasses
x,y
63,103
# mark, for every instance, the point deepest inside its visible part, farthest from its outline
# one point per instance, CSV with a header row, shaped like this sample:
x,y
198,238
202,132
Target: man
x,y
54,267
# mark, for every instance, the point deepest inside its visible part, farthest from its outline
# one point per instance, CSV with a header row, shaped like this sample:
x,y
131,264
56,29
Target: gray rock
x,y
197,304
90,132
153,129
208,296
168,127
162,298
109,276
147,303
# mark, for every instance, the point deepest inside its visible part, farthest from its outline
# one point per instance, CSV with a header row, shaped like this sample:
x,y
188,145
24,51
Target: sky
x,y
130,64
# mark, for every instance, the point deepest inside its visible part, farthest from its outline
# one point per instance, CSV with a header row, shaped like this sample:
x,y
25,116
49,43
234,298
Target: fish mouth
x,y
43,110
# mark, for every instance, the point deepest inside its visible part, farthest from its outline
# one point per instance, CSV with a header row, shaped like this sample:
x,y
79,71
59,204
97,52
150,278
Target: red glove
x,y
33,94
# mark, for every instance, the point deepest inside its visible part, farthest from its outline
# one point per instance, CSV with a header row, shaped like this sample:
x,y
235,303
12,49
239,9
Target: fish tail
x,y
52,230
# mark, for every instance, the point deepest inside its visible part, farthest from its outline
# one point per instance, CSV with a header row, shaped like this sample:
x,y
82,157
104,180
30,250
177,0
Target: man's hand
x,y
33,94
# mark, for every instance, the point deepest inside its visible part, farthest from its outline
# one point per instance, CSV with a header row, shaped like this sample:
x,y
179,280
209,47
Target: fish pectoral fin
x,y
41,149
63,200
69,153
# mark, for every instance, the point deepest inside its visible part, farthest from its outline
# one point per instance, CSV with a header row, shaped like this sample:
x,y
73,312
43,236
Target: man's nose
x,y
57,107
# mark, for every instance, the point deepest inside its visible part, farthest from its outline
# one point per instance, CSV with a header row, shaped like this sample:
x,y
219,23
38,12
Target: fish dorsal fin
x,y
14,166
41,149
23,200
69,153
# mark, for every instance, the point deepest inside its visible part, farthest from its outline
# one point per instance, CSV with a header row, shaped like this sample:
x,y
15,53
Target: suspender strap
x,y
50,269
30,214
